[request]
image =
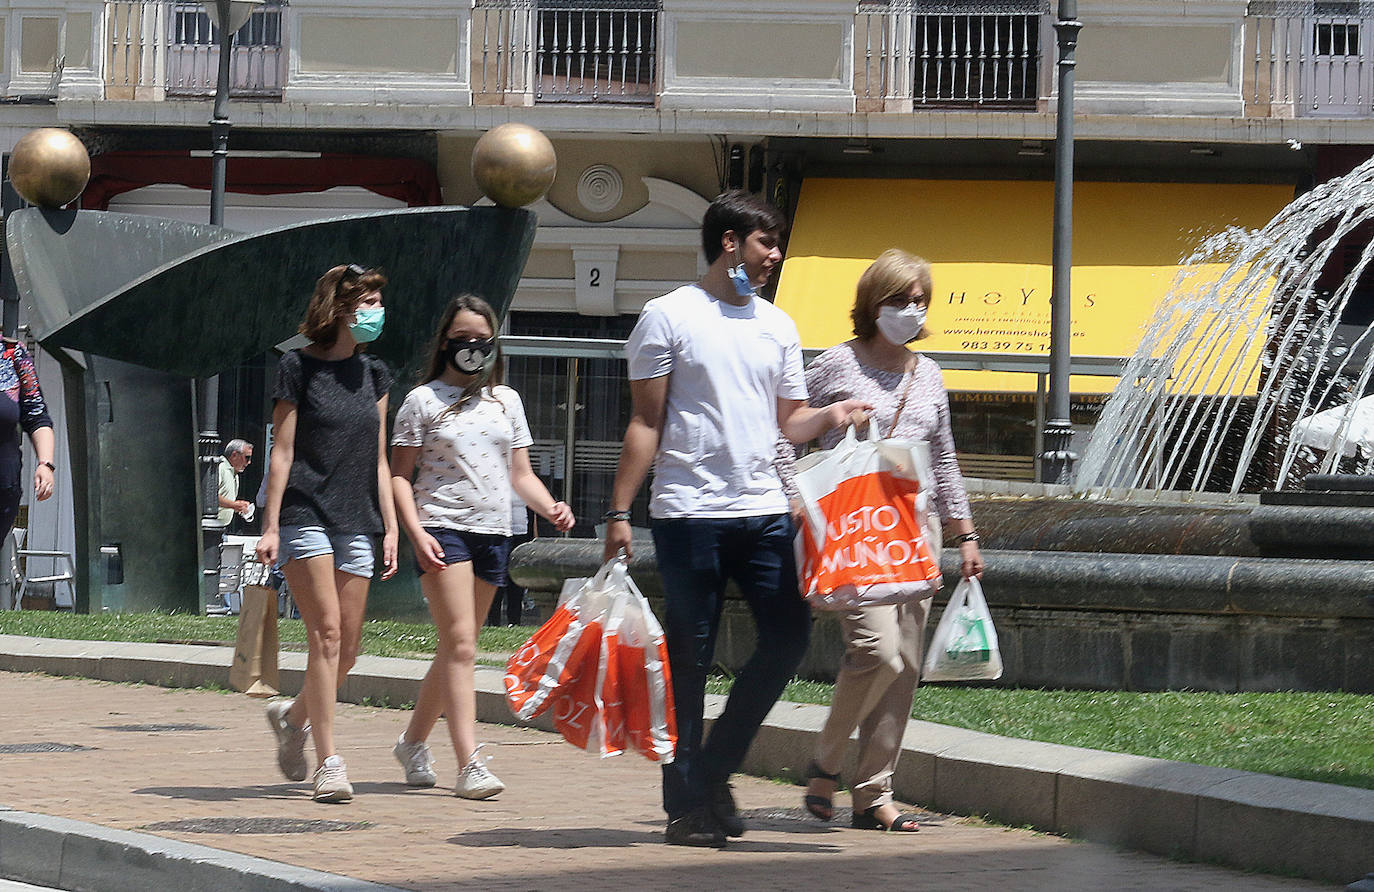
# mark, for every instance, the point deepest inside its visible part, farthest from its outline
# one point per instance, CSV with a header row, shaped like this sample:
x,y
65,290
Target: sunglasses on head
x,y
351,274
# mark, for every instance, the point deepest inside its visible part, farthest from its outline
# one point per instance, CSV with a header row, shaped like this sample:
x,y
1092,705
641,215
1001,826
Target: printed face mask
x,y
740,278
367,324
901,326
470,356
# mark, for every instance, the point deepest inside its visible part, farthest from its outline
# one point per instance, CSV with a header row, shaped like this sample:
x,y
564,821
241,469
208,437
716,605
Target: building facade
x,y
926,124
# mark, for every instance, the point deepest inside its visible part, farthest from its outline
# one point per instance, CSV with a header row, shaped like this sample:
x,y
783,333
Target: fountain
x,y
1246,344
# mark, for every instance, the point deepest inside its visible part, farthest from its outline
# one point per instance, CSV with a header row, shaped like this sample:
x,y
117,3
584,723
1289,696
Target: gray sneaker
x,y
415,758
475,781
290,741
331,781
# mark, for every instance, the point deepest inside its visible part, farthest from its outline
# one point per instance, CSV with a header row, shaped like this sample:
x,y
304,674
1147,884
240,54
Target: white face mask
x,y
901,326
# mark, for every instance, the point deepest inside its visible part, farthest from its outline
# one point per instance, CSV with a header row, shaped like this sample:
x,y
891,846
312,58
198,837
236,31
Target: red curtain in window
x,y
405,179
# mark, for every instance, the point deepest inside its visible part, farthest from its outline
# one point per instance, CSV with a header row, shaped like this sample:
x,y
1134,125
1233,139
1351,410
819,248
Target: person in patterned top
x,y
882,659
22,407
459,448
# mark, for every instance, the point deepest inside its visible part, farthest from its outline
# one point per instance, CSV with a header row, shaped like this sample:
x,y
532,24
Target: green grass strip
x,y
1312,736
382,638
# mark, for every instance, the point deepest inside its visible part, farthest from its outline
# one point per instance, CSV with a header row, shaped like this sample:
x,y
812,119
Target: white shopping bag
x,y
964,647
869,533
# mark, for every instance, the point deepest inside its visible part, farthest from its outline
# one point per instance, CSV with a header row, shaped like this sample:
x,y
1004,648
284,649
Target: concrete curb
x,y
1236,818
69,854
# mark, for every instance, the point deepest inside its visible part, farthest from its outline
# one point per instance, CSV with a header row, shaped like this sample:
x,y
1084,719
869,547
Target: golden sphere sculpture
x,y
514,164
49,167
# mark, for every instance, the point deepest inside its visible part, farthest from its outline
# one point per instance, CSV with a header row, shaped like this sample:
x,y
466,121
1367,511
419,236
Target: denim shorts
x,y
489,553
353,552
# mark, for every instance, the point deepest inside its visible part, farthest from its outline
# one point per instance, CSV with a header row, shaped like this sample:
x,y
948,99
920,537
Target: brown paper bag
x,y
255,652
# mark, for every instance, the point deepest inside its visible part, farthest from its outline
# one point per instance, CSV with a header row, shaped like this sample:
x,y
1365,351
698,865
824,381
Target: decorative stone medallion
x,y
600,188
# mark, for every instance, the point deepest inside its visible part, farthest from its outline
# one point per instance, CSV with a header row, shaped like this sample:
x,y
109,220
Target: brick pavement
x,y
566,820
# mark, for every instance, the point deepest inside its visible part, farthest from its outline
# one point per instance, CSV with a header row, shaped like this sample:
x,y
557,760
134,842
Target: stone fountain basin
x,y
1250,529
1121,595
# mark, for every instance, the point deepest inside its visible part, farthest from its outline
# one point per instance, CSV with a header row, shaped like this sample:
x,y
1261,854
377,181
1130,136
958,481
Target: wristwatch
x,y
611,516
50,466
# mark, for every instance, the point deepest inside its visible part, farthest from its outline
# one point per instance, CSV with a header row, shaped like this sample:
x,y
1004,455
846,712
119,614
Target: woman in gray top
x,y
328,499
882,660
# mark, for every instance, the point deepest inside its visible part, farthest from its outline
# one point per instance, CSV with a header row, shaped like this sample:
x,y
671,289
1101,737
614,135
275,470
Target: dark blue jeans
x,y
696,557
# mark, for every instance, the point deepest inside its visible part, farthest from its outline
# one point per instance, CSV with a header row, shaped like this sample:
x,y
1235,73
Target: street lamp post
x,y
221,14
1056,462
227,16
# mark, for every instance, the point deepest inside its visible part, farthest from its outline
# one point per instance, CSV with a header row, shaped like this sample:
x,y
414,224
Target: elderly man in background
x,y
237,456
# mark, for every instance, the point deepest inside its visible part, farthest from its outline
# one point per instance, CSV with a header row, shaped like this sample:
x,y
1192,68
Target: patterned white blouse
x,y
462,474
837,374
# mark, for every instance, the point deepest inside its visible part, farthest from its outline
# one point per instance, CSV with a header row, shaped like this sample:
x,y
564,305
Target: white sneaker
x,y
331,781
475,781
415,758
290,741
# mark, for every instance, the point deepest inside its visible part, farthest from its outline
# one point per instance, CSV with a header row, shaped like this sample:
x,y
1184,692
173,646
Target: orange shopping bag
x,y
636,685
562,653
869,534
600,665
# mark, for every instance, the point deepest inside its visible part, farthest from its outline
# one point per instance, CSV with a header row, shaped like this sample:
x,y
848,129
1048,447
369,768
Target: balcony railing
x,y
527,51
915,53
167,48
1310,58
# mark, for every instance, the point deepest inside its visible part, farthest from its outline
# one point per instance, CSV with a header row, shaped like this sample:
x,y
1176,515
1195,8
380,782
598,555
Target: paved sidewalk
x,y
566,820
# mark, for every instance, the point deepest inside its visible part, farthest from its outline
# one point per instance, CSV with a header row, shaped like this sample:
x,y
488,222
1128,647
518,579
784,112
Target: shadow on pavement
x,y
228,794
604,838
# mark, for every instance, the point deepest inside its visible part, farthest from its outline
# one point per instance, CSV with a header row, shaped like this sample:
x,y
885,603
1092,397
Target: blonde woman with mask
x,y
882,660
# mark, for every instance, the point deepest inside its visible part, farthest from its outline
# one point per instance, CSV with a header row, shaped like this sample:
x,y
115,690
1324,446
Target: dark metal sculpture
x,y
196,300
137,306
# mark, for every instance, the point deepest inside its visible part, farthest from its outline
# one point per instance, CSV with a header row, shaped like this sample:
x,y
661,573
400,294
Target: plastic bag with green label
x,y
964,647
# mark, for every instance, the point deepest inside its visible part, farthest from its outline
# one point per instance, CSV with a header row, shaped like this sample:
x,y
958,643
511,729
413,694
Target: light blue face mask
x,y
367,325
743,287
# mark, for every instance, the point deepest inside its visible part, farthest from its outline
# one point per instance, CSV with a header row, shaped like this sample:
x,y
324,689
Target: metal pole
x,y
1056,462
1040,396
208,439
570,432
219,123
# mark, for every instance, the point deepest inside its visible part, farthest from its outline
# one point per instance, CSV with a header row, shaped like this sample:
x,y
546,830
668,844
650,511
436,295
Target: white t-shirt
x,y
462,476
729,367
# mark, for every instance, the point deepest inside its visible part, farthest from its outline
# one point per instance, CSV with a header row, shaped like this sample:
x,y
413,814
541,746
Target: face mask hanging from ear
x,y
740,278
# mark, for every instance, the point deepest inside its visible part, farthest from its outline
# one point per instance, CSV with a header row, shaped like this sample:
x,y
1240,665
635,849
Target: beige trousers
x,y
877,680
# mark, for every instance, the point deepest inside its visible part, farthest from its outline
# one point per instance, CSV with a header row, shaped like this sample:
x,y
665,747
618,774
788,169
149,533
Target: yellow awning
x,y
989,247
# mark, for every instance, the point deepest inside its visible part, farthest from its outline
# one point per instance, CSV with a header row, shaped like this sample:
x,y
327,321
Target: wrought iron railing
x,y
167,48
953,54
604,51
1310,58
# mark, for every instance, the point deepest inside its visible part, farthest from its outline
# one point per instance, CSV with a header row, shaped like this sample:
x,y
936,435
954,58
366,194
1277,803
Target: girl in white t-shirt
x,y
459,447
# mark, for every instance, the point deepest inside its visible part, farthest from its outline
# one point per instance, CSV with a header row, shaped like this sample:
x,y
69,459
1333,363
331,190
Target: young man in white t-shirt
x,y
715,371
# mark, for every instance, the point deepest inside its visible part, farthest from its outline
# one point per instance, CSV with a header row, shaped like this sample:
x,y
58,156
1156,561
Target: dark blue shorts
x,y
489,553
